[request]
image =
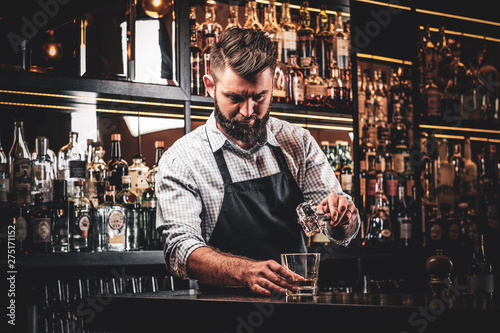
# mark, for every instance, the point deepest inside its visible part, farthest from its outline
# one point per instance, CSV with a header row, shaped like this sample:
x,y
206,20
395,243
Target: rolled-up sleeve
x,y
178,213
319,182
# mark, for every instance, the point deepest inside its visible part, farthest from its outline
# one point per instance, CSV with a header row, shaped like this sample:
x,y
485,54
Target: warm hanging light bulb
x,y
156,8
52,50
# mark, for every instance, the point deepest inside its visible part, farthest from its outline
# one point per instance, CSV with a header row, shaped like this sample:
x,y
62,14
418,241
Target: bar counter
x,y
196,311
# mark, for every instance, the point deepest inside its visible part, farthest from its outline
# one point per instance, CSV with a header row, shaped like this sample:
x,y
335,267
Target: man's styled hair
x,y
245,51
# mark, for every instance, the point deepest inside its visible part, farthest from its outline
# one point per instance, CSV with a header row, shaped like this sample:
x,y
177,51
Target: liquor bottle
x,y
138,172
430,56
4,175
427,176
367,149
444,59
288,33
487,73
210,28
458,164
341,45
272,28
110,232
280,84
148,216
15,214
324,44
480,271
371,183
400,157
380,99
97,174
89,152
232,19
379,233
295,82
453,239
391,181
403,219
431,97
399,134
59,209
41,225
159,150
20,166
130,200
196,57
305,38
468,226
252,21
117,166
435,230
315,87
71,162
334,87
445,178
409,178
415,211
41,170
346,173
471,194
80,220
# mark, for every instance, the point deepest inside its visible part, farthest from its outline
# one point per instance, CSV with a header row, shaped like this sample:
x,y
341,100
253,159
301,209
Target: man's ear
x,y
209,84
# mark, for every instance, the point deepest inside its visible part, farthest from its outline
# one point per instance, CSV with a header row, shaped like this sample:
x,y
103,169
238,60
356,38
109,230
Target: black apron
x,y
258,217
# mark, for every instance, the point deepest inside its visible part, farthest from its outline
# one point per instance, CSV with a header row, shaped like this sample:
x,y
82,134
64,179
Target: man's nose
x,y
246,108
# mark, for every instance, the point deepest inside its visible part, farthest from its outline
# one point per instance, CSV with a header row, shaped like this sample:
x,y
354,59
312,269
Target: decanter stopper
x,y
439,268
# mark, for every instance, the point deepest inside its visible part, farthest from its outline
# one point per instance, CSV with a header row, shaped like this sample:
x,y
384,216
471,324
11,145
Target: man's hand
x,y
212,267
342,211
264,277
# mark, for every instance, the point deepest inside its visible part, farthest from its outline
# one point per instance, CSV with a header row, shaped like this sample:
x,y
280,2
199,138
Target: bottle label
x,y
138,179
77,169
298,88
392,187
305,62
454,231
371,187
436,232
342,53
405,225
346,182
116,220
149,204
4,189
315,91
22,175
83,222
409,187
117,239
21,228
399,163
481,283
41,230
289,40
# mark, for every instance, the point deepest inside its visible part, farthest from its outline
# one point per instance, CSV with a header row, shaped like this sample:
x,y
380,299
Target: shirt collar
x,y
218,139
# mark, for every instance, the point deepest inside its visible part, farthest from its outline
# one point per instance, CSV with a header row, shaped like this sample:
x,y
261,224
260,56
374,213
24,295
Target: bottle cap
x,y
116,137
60,187
325,143
159,144
41,145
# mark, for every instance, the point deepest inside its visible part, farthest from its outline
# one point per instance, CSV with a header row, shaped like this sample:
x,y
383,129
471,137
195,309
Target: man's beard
x,y
242,132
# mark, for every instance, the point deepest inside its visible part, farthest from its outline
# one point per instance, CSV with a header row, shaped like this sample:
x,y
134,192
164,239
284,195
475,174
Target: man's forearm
x,y
210,266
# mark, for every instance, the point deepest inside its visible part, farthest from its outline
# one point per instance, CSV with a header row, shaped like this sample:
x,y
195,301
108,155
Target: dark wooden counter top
x,y
194,311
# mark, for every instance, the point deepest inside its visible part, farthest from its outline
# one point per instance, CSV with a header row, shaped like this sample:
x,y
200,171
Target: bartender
x,y
228,191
